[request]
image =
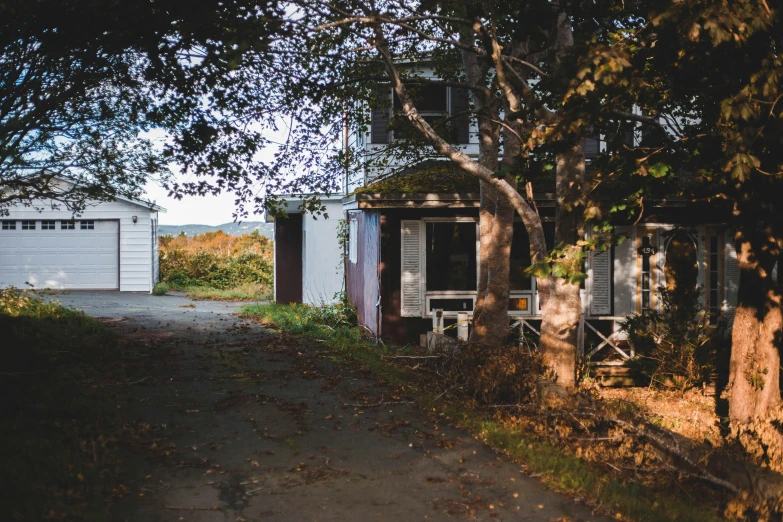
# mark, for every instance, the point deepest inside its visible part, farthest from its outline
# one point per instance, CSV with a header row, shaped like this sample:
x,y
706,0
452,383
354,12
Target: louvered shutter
x,y
591,148
460,102
731,276
379,127
601,283
411,302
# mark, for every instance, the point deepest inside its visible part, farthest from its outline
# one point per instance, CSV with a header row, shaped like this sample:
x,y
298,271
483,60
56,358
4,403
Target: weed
x,y
160,289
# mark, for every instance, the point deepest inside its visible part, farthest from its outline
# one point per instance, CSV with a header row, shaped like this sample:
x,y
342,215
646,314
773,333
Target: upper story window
x,y
87,225
9,225
444,107
28,225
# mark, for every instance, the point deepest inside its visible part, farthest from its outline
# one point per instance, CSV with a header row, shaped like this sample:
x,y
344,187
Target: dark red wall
x,y
361,278
288,259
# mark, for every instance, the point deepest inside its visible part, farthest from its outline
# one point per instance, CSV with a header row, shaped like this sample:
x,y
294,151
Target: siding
x,y
322,256
135,241
362,277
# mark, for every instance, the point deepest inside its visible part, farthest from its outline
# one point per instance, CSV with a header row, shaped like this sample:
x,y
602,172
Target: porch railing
x,y
606,342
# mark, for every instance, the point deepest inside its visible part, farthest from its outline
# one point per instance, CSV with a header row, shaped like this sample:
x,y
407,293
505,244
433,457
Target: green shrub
x,y
182,269
160,289
674,348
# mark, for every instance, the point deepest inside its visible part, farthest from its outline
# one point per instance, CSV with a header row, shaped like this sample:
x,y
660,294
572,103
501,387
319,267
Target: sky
x,y
195,210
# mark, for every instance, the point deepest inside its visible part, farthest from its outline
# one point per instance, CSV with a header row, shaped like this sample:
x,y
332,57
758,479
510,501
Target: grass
x,y
57,461
245,292
560,470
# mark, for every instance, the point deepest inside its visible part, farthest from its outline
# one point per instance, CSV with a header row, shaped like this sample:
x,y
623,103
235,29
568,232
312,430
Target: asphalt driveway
x,y
230,421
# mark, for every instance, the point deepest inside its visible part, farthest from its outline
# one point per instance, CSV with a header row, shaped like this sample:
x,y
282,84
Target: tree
x,y
83,82
724,58
520,63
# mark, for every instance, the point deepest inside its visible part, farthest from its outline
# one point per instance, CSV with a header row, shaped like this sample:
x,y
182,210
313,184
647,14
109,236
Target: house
x,y
308,253
111,245
413,246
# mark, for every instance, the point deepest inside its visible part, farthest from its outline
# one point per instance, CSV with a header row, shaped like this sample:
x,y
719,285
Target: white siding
x,y
322,255
135,242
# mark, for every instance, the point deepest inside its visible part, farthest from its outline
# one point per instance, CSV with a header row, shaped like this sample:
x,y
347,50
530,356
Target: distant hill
x,y
232,229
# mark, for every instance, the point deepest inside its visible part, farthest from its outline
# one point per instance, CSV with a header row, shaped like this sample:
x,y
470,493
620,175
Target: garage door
x,y
59,254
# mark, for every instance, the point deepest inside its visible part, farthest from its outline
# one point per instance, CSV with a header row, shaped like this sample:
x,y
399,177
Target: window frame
x,y
87,224
353,243
446,294
8,224
48,224
26,224
445,114
67,225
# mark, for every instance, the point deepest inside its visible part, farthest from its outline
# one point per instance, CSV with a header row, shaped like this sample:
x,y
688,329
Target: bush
x,y
160,289
216,260
674,348
489,374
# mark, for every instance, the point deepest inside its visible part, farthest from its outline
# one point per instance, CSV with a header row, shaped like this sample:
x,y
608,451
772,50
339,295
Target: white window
x,y
28,225
9,225
47,225
67,225
87,225
353,241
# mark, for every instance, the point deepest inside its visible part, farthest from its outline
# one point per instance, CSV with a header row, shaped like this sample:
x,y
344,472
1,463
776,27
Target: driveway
x,y
229,421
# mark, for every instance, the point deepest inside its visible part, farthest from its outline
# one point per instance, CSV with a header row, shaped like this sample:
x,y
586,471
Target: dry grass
x,y
690,414
246,292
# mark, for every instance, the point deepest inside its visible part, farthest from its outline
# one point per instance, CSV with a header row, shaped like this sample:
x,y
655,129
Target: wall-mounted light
x,y
135,219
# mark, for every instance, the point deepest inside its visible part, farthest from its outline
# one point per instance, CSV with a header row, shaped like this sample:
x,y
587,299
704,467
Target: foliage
x,y
57,461
81,82
675,348
489,374
160,289
216,260
242,292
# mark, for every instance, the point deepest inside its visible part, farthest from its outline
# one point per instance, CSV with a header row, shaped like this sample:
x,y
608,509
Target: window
x,y
713,285
451,256
47,225
87,225
445,108
28,225
67,225
9,225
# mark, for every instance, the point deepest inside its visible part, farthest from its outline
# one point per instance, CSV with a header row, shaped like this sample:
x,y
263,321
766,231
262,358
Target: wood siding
x,y
361,278
288,259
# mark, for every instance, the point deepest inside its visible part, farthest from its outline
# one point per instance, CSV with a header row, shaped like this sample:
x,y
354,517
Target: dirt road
x,y
232,422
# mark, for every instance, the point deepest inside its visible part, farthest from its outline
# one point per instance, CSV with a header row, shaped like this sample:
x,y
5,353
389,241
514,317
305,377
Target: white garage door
x,y
59,254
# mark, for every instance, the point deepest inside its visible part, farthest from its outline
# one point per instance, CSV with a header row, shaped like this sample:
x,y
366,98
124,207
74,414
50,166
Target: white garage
x,y
109,246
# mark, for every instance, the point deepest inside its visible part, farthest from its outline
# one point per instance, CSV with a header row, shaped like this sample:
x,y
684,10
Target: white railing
x,y
610,341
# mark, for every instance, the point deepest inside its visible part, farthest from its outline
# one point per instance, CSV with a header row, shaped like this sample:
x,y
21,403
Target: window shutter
x,y
460,102
591,148
601,283
379,127
731,276
411,268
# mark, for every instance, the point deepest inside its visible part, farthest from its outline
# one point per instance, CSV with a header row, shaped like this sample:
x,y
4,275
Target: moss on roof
x,y
428,177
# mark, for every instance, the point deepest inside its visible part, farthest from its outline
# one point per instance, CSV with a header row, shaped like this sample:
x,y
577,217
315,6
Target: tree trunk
x,y
563,309
754,370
